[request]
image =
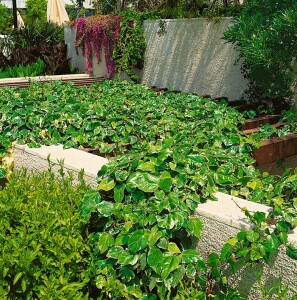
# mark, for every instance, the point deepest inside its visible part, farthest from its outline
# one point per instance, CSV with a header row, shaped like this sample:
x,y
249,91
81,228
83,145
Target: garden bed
x,y
222,219
170,153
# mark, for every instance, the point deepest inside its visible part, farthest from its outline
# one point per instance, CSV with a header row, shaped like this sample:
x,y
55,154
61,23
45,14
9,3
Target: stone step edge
x,y
227,209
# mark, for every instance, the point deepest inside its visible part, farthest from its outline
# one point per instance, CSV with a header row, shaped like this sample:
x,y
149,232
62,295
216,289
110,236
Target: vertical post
x,y
14,13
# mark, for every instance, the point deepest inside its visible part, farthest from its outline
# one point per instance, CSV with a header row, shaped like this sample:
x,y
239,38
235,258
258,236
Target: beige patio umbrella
x,y
20,20
56,12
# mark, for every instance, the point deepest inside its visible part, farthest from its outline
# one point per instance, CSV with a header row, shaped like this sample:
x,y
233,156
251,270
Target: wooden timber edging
x,y
276,149
77,79
276,126
260,121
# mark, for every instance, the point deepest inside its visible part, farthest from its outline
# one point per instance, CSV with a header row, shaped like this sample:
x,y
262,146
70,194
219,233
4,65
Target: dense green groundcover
x,y
168,154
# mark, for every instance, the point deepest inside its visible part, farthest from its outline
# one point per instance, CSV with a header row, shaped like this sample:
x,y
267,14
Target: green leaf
x,y
127,259
115,252
282,226
138,240
154,236
256,255
178,275
154,257
243,252
119,192
195,226
232,241
89,204
291,251
126,274
168,265
226,252
105,241
213,260
173,248
105,208
147,166
165,182
17,277
271,244
2,173
144,181
148,297
252,235
24,285
106,184
190,255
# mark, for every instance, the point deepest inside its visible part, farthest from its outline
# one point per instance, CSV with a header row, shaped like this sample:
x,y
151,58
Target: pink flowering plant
x,y
94,34
120,37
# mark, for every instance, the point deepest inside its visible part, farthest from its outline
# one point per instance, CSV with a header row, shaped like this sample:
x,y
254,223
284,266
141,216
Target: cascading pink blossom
x,y
94,34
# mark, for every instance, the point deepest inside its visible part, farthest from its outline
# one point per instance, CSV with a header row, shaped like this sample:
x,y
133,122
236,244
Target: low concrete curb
x,y
73,160
222,219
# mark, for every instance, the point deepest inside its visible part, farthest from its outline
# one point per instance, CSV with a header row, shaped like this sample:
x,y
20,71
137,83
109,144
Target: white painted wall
x,y
191,57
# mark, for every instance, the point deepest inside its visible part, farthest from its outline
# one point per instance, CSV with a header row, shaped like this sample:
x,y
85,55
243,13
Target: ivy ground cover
x,y
168,154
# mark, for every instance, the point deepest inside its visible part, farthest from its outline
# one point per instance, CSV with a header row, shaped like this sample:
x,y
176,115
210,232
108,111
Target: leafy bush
x,y
43,254
265,34
35,69
36,11
39,40
35,34
129,51
5,19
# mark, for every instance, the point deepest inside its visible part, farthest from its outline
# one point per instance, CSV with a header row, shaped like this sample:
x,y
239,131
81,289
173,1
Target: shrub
x,y
5,19
35,69
39,40
265,34
36,11
42,251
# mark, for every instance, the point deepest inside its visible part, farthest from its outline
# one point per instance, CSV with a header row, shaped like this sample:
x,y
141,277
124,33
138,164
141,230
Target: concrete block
x,y
222,220
73,160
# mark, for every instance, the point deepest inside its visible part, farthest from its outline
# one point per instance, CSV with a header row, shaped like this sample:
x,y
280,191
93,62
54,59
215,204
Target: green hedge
x,y
43,254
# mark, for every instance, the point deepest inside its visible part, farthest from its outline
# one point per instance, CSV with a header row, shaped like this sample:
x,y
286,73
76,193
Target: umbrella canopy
x,y
56,12
20,20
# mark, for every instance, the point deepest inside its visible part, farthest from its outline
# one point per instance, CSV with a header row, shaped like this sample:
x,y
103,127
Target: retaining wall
x,y
191,56
72,160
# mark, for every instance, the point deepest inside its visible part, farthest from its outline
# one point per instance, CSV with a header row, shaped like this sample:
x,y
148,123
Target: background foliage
x,y
5,19
36,11
265,34
35,69
40,40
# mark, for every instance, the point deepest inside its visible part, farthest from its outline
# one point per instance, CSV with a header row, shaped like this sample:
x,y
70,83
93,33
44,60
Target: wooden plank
x,y
260,121
77,79
276,149
276,126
